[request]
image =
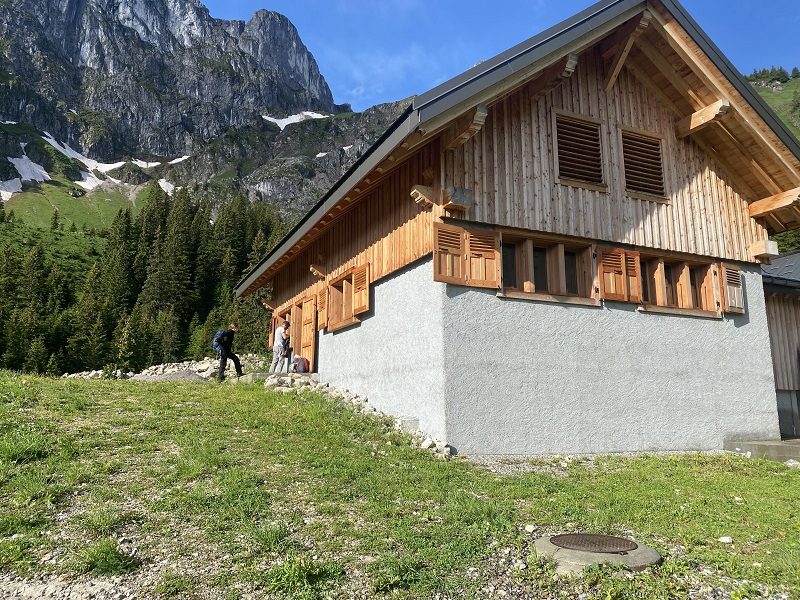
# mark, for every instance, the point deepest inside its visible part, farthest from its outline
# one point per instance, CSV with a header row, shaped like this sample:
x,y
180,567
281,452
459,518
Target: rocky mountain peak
x,y
159,77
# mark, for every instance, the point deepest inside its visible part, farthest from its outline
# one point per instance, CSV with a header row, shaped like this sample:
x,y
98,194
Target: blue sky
x,y
373,51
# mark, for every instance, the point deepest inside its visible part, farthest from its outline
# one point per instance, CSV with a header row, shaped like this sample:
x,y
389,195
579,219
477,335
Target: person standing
x,y
226,352
280,348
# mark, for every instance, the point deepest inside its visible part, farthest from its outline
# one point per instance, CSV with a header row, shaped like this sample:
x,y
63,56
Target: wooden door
x,y
308,334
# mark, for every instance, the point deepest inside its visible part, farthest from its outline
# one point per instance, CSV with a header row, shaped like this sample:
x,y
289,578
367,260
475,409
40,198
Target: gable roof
x,y
530,53
783,271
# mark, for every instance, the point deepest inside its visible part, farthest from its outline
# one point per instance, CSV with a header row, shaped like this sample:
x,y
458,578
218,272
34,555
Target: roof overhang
x,y
434,110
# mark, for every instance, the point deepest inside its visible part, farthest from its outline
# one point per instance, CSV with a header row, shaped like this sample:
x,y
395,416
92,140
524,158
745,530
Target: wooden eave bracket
x,y
423,195
467,126
457,199
268,305
317,271
623,41
701,119
767,206
764,250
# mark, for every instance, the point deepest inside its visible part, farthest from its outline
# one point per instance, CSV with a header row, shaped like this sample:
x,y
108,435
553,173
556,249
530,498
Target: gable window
x,y
348,297
579,152
545,267
644,169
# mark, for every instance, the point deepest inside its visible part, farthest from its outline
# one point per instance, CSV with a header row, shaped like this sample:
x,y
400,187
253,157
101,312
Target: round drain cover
x,y
591,542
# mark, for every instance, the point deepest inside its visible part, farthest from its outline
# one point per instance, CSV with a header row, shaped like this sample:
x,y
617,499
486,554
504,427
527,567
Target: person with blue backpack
x,y
222,342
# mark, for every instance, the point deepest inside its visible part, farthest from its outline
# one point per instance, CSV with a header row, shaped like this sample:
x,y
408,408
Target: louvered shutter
x,y
483,258
644,170
612,274
322,308
361,289
449,254
633,276
580,156
732,289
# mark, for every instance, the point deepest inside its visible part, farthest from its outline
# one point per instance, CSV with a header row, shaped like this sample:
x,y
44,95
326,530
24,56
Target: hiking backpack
x,y
215,341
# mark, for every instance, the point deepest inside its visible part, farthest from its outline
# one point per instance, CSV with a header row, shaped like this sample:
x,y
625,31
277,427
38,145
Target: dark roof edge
x,y
524,54
781,285
734,76
393,135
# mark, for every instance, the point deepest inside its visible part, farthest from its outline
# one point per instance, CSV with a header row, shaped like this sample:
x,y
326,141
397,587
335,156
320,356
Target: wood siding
x,y
384,228
783,315
510,168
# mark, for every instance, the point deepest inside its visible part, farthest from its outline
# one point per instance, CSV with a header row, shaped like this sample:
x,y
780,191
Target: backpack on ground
x,y
215,345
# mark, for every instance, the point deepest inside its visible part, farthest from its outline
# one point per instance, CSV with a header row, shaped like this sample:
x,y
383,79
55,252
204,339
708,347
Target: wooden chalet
x,y
564,238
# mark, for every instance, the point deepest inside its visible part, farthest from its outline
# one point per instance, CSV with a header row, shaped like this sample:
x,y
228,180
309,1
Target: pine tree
x,y
2,213
53,367
37,358
795,73
55,220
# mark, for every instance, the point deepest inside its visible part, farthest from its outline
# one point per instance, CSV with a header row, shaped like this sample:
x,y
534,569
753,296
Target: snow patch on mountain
x,y
303,116
89,181
179,160
321,154
7,188
144,164
166,186
29,170
92,164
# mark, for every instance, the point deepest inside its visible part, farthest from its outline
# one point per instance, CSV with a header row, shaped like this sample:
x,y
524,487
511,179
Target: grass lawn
x,y
207,491
74,252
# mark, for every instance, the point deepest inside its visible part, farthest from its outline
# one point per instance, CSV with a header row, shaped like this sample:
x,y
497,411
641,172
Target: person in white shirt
x,y
280,348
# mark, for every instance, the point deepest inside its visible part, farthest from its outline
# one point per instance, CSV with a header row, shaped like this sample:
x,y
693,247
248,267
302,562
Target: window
x,y
732,289
673,283
348,296
580,156
470,257
644,171
534,266
619,274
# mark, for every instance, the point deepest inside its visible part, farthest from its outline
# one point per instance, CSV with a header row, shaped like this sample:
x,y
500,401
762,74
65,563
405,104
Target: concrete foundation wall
x,y
532,377
394,357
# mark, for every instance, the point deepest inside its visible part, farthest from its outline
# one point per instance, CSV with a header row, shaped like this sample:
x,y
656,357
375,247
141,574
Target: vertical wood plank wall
x,y
783,316
509,166
385,228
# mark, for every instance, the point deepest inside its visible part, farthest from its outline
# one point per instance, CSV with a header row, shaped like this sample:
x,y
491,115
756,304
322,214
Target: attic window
x,y
644,168
580,156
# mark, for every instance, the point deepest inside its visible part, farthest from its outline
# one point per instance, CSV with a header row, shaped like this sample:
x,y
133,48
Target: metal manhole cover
x,y
591,542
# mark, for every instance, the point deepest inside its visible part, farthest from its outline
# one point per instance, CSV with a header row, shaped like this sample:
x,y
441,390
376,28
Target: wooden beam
x,y
423,195
643,76
623,41
671,32
766,180
317,271
467,126
761,208
702,118
668,71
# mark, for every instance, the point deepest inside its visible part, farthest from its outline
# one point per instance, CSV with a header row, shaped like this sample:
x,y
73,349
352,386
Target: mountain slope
x,y
116,77
780,98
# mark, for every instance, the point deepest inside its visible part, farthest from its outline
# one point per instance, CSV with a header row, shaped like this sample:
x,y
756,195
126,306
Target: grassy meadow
x,y
218,491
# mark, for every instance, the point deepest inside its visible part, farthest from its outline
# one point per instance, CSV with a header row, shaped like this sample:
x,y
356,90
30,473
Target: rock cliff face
x,y
159,77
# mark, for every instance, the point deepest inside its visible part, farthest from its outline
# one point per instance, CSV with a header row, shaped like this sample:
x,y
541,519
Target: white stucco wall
x,y
534,378
394,357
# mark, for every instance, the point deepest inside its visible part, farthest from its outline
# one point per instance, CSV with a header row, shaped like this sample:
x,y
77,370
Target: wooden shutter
x,y
633,276
308,333
644,170
322,308
579,153
449,254
732,289
612,275
273,325
483,258
361,289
